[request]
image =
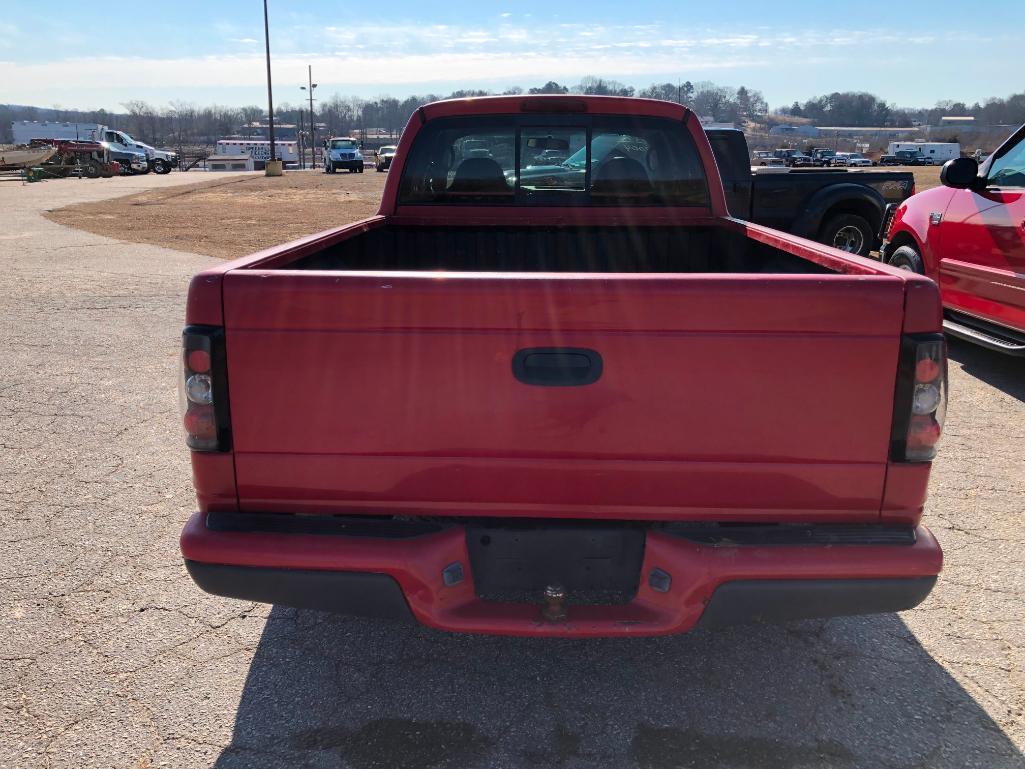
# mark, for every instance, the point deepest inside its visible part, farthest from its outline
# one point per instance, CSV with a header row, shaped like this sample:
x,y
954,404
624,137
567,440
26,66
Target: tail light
x,y
204,389
920,401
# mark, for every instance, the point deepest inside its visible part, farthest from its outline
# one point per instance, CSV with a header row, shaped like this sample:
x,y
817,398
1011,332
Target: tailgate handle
x,y
557,366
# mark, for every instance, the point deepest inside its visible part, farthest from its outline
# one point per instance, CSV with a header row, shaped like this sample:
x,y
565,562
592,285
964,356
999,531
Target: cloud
x,y
407,54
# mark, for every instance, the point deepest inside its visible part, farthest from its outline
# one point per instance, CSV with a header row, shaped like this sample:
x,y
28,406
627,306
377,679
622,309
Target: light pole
x,y
271,168
313,125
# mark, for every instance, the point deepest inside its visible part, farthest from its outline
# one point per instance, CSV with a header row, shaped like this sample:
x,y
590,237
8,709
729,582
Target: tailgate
x,y
719,397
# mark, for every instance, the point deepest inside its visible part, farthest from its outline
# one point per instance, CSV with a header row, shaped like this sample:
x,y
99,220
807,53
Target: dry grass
x,y
926,177
231,217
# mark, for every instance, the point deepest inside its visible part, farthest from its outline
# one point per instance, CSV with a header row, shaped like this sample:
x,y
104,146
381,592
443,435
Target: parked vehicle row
x,y
899,153
134,156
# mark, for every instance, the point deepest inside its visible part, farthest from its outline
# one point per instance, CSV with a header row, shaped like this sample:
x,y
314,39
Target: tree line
x,y
856,108
182,123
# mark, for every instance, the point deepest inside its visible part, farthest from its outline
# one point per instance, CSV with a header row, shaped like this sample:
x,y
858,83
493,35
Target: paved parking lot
x,y
111,658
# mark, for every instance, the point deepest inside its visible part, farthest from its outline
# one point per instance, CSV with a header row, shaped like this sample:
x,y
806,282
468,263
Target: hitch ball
x,y
554,608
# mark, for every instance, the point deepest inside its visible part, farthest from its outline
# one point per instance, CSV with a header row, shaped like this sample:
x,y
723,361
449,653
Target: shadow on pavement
x,y
327,691
1004,372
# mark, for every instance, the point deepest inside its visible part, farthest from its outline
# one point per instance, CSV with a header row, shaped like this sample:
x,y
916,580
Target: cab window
x,y
1008,170
512,160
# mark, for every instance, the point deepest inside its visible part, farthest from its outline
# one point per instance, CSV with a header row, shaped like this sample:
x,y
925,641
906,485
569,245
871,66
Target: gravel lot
x,y
113,659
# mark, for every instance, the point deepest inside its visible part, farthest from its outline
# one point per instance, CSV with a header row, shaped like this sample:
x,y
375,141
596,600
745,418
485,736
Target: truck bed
x,y
555,249
737,380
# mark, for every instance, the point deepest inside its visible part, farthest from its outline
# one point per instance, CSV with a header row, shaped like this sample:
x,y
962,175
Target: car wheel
x,y
848,232
907,258
161,166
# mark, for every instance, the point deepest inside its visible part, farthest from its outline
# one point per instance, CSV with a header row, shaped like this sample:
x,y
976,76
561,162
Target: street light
x,y
313,125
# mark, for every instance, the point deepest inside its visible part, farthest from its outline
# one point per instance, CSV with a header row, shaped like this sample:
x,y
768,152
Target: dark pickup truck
x,y
839,207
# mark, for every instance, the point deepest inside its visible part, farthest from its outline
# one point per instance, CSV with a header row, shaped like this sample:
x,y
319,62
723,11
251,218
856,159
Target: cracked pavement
x,y
112,658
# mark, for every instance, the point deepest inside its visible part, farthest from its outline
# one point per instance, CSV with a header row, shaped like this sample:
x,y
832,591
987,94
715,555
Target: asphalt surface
x,y
111,657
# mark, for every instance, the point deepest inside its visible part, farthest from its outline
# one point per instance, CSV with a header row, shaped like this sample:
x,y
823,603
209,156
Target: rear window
x,y
540,160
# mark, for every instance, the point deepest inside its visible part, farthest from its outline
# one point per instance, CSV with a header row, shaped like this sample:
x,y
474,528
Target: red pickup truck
x,y
969,236
552,388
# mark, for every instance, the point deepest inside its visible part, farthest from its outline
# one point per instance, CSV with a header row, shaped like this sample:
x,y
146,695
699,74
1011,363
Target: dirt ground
x,y
231,217
253,211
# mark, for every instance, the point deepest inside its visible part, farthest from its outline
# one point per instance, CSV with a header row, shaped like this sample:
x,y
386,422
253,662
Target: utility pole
x,y
270,96
300,137
313,125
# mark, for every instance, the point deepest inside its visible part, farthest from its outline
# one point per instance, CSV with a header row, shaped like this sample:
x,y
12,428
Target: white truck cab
x,y
124,149
342,152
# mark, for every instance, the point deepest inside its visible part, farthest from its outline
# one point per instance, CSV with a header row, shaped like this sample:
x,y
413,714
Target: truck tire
x,y
161,166
91,170
907,258
848,232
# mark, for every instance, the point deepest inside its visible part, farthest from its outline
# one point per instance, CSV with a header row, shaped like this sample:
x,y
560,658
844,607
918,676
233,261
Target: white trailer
x,y
937,153
259,150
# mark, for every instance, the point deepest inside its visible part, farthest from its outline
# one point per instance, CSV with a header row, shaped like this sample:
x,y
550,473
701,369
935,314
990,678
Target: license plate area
x,y
515,562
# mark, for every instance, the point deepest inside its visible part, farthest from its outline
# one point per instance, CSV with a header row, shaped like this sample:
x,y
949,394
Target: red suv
x,y
969,236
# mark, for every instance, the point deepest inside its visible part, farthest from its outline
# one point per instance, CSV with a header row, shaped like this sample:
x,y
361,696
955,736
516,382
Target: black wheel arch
x,y
902,238
844,198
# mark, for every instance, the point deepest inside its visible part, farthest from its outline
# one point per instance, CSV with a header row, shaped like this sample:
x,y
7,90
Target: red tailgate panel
x,y
721,396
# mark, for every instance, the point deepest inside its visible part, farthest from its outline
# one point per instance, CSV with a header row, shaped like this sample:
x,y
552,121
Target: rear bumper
x,y
711,584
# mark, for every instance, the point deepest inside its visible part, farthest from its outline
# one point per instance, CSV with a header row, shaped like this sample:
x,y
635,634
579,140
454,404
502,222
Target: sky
x,y
911,53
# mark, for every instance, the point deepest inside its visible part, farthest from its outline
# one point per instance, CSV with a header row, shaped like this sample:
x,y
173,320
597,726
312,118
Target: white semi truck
x,y
141,156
